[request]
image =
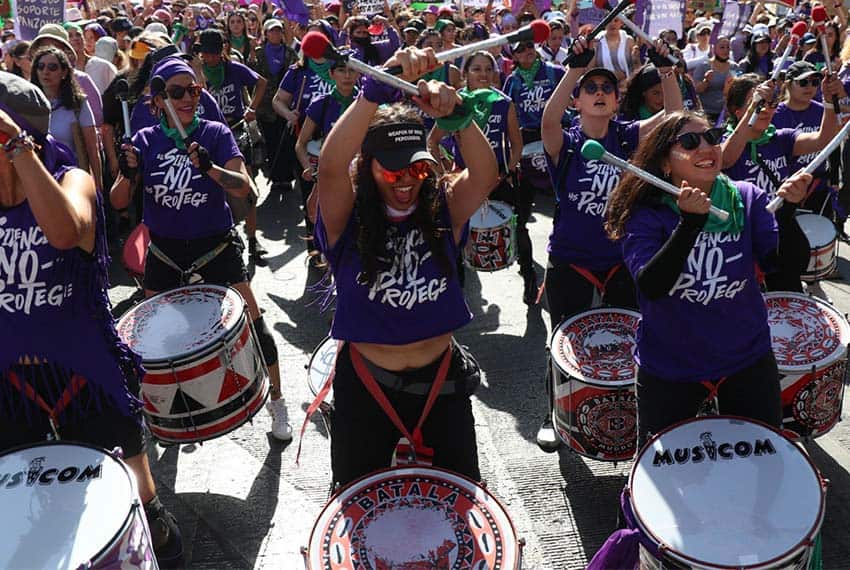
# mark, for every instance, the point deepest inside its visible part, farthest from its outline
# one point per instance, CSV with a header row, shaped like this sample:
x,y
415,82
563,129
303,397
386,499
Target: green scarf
x,y
214,75
644,112
765,137
323,70
237,42
481,105
174,134
529,74
438,74
343,101
725,196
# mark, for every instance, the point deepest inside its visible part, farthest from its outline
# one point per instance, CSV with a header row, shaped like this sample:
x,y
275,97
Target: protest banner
x,y
661,15
31,15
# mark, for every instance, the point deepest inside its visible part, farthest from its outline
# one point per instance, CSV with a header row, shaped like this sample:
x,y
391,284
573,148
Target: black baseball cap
x,y
397,145
211,41
801,70
597,72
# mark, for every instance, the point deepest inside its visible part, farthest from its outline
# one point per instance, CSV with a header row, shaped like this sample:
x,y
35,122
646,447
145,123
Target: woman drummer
x,y
704,329
191,227
585,267
391,239
64,373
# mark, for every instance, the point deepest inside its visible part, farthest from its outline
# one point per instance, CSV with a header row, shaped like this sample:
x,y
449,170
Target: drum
x,y
533,165
413,517
492,243
313,150
809,339
205,374
823,245
71,506
724,492
321,365
134,252
593,381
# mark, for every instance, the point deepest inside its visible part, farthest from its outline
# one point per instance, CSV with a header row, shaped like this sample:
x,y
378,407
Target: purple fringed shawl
x,y
622,549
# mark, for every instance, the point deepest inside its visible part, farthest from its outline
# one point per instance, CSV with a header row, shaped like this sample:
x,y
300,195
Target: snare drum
x,y
533,164
313,150
413,517
809,339
71,506
823,246
593,380
492,243
205,374
321,365
724,492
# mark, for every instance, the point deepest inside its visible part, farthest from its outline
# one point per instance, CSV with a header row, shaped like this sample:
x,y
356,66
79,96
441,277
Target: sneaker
x,y
529,287
165,535
280,419
547,438
256,252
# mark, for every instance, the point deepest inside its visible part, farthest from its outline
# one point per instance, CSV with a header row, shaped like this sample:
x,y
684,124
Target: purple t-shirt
x,y
229,95
807,121
496,131
179,201
384,47
713,321
410,301
530,102
775,155
304,81
582,192
324,111
141,116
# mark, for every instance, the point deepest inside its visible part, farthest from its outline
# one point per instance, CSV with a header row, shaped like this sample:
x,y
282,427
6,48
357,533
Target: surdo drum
x,y
823,246
809,340
70,506
321,365
492,243
533,164
205,374
411,518
314,148
724,492
593,378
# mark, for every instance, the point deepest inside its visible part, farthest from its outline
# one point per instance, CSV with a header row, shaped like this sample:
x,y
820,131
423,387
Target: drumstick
x,y
600,27
637,30
537,31
815,163
819,20
592,150
797,32
122,92
158,86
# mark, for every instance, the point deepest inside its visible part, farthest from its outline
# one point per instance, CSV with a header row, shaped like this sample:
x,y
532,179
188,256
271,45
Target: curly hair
x,y
71,96
649,156
370,217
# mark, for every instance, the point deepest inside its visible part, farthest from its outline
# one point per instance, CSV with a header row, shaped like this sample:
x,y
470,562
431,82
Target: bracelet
x,y
21,142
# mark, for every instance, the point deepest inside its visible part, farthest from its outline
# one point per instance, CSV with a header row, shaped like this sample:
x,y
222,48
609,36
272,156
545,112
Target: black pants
x,y
521,197
363,437
280,149
753,392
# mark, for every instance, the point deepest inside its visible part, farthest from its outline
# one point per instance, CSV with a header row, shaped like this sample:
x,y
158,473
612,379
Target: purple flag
x,y
294,10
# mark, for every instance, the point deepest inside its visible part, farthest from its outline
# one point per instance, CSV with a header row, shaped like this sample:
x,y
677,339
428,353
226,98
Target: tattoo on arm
x,y
230,181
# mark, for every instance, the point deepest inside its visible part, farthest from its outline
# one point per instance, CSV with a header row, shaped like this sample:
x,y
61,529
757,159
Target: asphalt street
x,y
244,502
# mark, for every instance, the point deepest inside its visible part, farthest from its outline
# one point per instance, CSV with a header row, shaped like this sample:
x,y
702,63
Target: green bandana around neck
x,y
765,137
529,74
644,112
343,101
725,196
323,70
174,134
237,42
214,75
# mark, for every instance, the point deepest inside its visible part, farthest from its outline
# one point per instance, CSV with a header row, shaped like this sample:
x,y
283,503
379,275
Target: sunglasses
x,y
813,81
591,87
178,91
50,66
419,170
690,141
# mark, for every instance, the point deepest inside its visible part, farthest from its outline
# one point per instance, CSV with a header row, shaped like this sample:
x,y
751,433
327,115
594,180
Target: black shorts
x,y
226,268
86,420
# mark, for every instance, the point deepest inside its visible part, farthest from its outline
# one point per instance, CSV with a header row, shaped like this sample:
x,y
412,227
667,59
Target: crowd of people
x,y
387,185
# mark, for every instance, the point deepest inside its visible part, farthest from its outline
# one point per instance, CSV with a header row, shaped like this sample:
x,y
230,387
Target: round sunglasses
x,y
690,141
418,170
591,87
178,91
49,66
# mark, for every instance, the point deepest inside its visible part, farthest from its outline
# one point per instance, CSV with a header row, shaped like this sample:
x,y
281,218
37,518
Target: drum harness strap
x,y
318,400
418,451
186,274
74,386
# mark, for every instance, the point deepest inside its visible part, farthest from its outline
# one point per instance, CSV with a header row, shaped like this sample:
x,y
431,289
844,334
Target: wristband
x,y
21,142
379,93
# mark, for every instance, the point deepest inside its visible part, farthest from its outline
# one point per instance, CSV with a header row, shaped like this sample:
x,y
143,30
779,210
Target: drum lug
x,y
117,452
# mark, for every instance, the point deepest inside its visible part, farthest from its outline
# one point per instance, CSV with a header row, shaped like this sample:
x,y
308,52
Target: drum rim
x,y
313,357
194,353
593,382
843,325
135,502
675,554
200,355
536,145
413,468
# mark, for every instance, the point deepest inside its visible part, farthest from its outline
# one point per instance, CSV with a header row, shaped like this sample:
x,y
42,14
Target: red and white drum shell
x,y
809,339
593,376
722,493
71,506
492,243
410,518
205,374
533,165
314,148
823,246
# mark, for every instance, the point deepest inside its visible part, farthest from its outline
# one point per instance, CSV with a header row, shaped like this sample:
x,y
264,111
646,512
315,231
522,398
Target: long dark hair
x,y
736,97
370,217
649,156
70,94
641,81
20,50
750,63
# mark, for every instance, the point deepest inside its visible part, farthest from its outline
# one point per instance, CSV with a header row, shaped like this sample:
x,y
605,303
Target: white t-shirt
x,y
61,119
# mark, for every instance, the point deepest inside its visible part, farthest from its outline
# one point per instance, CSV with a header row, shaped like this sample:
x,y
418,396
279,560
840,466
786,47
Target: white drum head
x,y
819,230
178,323
321,365
491,214
723,492
314,148
533,148
62,505
805,332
